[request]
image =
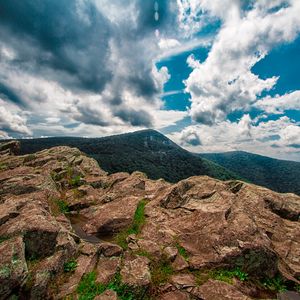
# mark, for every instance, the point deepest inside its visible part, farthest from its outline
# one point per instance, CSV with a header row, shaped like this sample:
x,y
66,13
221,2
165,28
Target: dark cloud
x,y
77,44
134,117
62,36
8,94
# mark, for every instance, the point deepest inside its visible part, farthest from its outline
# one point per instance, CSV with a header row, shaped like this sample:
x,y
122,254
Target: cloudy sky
x,y
213,76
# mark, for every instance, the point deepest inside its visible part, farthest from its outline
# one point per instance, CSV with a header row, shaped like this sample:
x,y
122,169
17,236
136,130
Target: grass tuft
x,y
139,220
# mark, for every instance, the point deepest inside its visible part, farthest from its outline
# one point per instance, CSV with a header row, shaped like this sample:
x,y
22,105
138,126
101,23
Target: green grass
x,y
274,284
161,271
139,220
228,275
63,206
70,266
89,289
182,251
75,181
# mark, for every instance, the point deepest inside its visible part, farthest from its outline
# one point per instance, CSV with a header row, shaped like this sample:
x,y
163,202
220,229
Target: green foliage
x,y
124,291
228,275
55,176
3,238
3,167
182,251
70,266
139,220
274,284
161,271
63,206
75,181
278,175
88,288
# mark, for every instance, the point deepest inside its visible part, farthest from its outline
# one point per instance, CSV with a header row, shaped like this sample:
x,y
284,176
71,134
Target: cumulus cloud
x,y
278,138
279,104
12,122
224,82
84,61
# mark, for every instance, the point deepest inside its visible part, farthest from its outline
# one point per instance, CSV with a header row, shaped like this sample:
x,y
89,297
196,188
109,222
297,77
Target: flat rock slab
x,y
135,271
176,295
214,289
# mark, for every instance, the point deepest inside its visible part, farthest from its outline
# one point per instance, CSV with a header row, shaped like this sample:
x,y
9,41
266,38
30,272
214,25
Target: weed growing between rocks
x,y
63,206
89,289
70,266
139,220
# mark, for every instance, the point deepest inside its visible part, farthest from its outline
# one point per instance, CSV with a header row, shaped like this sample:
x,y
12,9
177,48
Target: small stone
x,y
109,249
171,252
107,295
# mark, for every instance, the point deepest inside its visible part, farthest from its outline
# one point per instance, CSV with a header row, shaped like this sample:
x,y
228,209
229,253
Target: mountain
x,y
147,151
279,175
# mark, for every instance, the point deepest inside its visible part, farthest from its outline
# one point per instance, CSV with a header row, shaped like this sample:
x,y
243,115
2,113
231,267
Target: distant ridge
x,y
279,175
147,151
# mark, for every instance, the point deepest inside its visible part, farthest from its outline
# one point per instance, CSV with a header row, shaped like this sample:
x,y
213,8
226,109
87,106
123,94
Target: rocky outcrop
x,y
187,239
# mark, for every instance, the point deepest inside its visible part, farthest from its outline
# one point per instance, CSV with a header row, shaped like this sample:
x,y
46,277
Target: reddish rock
x,y
109,249
213,289
85,264
107,295
179,263
175,295
171,253
106,269
183,281
135,271
110,218
151,247
13,267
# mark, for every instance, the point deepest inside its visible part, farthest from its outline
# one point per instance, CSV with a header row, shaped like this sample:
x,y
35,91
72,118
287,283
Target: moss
x,y
5,272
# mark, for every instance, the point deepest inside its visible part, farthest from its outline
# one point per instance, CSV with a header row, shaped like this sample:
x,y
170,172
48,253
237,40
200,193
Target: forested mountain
x,y
278,175
147,151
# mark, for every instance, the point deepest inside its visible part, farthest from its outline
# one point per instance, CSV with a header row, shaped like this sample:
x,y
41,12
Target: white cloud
x,y
224,82
279,104
272,138
12,122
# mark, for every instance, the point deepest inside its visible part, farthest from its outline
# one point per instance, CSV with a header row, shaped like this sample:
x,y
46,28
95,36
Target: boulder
x,y
13,267
106,269
109,218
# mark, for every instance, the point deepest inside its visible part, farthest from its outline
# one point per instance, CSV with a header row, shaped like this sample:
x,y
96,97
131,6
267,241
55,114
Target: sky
x,y
213,76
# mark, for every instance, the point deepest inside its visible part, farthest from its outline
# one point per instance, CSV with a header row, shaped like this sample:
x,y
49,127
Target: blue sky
x,y
213,76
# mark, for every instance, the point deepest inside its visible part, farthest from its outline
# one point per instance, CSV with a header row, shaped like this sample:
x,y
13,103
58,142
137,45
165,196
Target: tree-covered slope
x,y
278,175
147,151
